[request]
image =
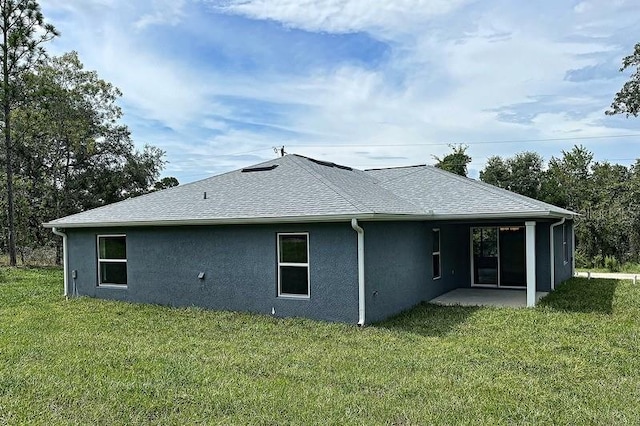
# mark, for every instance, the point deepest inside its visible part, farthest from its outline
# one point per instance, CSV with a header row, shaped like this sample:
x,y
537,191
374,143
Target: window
x,y
437,270
293,265
112,260
565,246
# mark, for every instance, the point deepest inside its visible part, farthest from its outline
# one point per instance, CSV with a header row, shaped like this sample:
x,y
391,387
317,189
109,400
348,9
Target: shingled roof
x,y
294,188
448,194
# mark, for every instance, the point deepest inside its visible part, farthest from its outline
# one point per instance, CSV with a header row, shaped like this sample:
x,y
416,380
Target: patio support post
x,y
531,263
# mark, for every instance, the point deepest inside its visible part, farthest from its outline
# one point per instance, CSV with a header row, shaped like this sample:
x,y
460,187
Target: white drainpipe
x,y
553,247
361,293
65,259
573,248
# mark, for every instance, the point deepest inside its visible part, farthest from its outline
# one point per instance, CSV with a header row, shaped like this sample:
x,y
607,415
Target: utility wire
x,y
468,143
432,144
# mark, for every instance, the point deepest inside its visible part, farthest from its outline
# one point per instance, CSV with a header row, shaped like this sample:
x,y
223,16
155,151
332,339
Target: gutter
x,y
65,259
307,219
552,251
361,293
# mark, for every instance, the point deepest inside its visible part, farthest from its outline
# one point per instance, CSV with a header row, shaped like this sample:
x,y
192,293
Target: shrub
x,y
611,263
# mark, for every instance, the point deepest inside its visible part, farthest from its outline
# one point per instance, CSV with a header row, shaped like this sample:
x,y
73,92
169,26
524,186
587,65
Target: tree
x,y
526,174
496,172
567,179
166,182
72,154
23,32
522,173
606,196
627,100
456,162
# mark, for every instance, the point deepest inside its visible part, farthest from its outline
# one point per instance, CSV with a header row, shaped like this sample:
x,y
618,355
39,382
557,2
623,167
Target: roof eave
x,y
215,221
542,214
318,218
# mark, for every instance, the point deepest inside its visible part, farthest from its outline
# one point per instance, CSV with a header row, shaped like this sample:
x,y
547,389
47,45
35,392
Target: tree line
x,y
606,196
65,149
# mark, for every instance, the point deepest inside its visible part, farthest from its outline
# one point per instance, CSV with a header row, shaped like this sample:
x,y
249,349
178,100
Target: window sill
x,y
292,297
113,286
437,278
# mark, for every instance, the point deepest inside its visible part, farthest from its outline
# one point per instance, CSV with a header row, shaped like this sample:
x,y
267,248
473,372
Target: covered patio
x,y
486,297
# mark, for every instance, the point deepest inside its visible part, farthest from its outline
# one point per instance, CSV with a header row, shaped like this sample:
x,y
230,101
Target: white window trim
x,y
299,265
565,249
434,253
100,283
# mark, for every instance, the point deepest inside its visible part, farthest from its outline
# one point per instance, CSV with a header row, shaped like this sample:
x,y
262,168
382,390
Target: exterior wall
x,y
398,264
240,264
564,270
396,255
456,254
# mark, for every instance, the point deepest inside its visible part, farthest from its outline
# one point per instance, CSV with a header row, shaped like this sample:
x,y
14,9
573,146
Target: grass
x,y
572,360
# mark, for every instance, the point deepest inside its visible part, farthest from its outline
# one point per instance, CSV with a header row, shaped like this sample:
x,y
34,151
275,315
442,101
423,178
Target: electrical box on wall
x,y
201,276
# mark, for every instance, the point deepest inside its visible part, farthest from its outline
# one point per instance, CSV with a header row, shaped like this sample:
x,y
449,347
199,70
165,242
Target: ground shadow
x,y
430,320
583,295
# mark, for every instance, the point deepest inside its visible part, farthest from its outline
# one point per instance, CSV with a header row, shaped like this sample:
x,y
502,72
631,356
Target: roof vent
x,y
328,164
398,167
259,169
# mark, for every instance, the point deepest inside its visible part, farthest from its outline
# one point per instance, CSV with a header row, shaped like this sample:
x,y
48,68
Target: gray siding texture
x,y
398,263
240,266
564,268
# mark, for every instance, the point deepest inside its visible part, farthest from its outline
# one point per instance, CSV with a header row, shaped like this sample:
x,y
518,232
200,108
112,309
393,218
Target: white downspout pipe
x,y
573,248
65,259
361,293
552,251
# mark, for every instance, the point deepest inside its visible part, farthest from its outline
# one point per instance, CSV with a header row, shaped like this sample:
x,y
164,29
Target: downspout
x,y
65,259
573,248
552,251
361,293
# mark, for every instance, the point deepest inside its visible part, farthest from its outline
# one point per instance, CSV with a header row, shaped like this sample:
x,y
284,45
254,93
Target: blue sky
x,y
218,83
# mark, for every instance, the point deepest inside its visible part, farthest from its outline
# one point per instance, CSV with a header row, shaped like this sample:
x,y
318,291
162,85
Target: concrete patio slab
x,y
486,297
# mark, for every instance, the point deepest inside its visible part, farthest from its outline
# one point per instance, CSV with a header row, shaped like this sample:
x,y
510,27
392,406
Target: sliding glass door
x,y
485,256
498,256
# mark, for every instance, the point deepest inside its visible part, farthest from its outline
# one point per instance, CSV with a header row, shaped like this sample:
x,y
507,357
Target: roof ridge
x,y
494,189
328,184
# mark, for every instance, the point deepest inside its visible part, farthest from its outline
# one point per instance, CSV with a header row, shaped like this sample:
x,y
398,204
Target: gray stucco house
x,y
300,237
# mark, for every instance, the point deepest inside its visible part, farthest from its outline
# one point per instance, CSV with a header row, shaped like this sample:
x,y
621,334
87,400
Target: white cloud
x,y
344,16
164,12
445,85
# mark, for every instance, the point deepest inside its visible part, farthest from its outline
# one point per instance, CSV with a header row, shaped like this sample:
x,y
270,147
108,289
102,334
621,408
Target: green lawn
x,y
574,360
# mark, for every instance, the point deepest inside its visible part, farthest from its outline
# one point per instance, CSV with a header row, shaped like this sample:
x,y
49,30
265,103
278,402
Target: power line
x,y
475,163
469,143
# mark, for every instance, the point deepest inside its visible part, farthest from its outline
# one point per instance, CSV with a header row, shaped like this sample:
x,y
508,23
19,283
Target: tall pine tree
x,y
24,31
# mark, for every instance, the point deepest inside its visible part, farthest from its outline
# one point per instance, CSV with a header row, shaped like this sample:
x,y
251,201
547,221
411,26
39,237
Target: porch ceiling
x,y
486,297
